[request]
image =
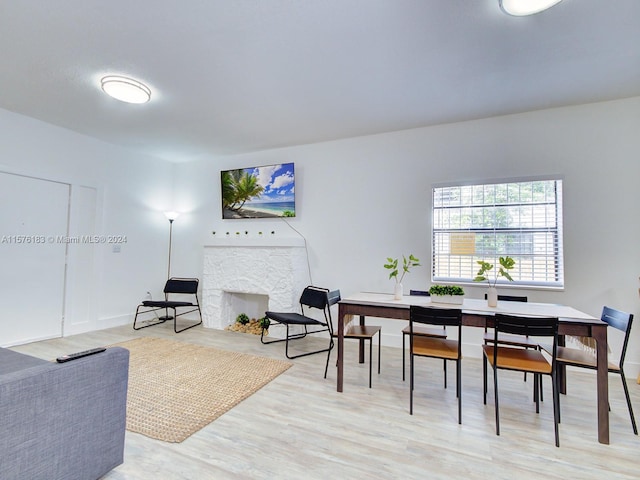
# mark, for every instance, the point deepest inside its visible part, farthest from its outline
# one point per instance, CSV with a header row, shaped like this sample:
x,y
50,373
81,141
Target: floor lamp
x,y
171,216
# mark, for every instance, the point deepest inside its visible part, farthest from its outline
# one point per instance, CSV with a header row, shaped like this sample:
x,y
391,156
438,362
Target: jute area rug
x,y
177,388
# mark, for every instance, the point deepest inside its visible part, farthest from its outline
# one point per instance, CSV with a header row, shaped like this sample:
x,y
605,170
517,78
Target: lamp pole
x,y
170,235
171,216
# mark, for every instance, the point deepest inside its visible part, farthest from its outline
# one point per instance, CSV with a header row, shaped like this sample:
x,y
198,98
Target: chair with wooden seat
x,y
512,340
437,332
581,358
435,347
361,333
523,360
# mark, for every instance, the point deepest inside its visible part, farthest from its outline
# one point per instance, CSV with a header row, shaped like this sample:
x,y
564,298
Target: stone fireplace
x,y
251,275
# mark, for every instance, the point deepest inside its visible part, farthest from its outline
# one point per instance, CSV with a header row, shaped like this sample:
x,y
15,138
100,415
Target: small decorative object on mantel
x,y
451,294
407,264
506,263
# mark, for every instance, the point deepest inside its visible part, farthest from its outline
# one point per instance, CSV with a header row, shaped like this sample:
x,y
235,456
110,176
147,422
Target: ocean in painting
x,y
274,208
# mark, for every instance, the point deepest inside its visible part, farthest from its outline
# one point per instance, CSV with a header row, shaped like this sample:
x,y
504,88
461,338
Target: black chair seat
x,y
293,318
166,304
178,288
312,297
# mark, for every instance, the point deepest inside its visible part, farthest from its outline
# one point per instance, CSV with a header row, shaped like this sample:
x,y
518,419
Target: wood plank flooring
x,y
298,426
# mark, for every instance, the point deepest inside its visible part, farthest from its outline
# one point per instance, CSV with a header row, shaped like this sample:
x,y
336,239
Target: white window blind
x,y
486,221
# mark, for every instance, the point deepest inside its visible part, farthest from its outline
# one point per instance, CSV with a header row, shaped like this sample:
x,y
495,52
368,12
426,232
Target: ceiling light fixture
x,y
521,8
125,89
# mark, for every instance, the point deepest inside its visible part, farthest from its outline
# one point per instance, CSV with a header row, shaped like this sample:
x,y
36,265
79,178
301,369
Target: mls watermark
x,y
62,239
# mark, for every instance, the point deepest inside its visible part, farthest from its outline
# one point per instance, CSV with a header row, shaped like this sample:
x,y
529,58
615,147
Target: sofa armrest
x,y
62,421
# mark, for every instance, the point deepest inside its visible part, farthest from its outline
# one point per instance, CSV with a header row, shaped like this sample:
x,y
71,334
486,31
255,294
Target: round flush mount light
x,y
125,89
521,8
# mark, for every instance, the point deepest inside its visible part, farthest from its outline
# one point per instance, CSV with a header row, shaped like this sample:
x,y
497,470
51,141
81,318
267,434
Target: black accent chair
x,y
421,346
579,358
179,288
436,332
523,360
312,297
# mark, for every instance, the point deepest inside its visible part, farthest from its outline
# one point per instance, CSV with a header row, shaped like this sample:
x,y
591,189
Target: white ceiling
x,y
233,76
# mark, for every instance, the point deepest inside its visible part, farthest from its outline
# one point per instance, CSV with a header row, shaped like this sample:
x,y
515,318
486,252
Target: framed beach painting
x,y
267,191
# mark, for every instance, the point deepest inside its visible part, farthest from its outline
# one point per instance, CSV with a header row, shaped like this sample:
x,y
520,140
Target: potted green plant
x,y
265,323
242,319
447,294
407,264
506,263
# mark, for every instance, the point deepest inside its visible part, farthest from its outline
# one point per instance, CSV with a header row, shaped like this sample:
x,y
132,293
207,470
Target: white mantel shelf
x,y
233,240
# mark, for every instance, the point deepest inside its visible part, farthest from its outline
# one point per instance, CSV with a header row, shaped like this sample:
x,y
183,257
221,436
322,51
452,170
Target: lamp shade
x,y
171,216
125,89
520,8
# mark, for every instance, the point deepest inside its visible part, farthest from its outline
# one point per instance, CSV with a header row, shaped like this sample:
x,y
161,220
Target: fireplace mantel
x,y
252,241
276,267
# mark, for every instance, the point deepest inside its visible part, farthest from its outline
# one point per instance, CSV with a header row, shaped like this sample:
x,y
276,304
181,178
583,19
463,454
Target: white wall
x,y
132,191
358,201
363,199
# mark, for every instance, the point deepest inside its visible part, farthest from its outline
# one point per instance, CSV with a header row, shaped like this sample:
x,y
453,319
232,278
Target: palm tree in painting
x,y
238,186
228,190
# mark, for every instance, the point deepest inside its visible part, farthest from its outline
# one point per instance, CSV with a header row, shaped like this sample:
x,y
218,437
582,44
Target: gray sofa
x,y
62,421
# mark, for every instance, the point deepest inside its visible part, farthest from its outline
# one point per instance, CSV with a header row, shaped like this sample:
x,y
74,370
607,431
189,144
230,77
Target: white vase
x,y
397,291
492,297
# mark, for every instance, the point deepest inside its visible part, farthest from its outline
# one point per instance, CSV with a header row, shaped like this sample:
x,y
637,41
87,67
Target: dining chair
x,y
435,347
513,340
437,332
522,359
586,359
360,333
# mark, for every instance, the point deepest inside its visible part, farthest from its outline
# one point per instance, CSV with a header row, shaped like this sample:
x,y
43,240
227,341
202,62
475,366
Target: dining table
x,y
477,313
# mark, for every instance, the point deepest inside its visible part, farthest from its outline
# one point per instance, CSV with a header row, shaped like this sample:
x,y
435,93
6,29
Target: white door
x,y
33,225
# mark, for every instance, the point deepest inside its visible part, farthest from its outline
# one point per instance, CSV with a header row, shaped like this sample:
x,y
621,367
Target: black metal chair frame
x,y
621,321
525,326
312,297
174,286
443,318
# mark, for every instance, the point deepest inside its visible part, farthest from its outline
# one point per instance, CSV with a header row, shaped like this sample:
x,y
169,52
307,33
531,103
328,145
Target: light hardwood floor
x,y
298,426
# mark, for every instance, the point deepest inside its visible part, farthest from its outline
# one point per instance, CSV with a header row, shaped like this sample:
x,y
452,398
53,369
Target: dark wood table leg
x,y
361,346
599,333
562,369
341,315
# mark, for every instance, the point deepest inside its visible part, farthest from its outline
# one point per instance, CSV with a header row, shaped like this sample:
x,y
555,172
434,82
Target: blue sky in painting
x,y
278,183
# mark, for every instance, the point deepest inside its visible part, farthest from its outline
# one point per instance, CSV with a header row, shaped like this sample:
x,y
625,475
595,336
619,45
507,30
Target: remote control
x,y
73,356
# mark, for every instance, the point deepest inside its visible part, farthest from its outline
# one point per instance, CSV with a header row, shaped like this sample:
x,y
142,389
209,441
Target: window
x,y
486,221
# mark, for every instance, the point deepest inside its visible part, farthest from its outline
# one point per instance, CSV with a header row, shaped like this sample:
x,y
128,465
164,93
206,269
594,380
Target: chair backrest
x,y
333,297
621,321
322,299
434,316
181,285
520,325
422,293
510,298
314,297
527,326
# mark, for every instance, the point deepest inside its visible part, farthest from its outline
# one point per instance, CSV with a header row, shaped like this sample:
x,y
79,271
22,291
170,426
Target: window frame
x,y
554,260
